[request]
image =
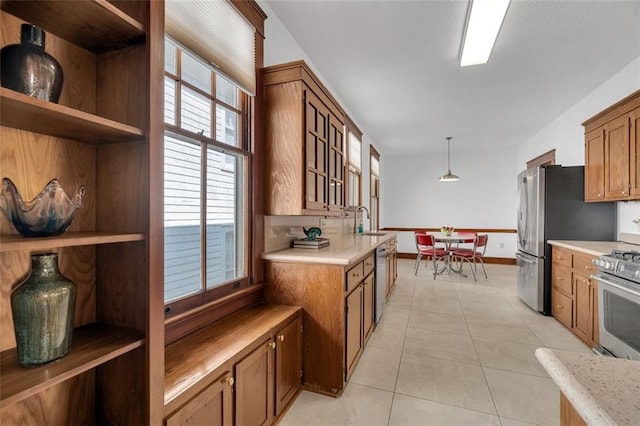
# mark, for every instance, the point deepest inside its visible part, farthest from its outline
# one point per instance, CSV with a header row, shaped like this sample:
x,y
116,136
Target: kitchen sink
x,y
373,234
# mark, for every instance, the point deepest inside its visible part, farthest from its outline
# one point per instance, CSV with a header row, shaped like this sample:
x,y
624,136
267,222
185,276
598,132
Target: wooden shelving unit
x,y
68,239
24,112
92,345
97,25
106,134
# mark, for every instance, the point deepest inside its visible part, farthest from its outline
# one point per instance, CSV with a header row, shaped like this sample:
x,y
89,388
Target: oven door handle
x,y
621,287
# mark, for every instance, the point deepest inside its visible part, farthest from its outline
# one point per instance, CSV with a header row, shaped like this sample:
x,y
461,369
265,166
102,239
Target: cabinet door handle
x,y
600,195
560,257
281,338
588,267
560,279
229,381
355,275
559,307
272,345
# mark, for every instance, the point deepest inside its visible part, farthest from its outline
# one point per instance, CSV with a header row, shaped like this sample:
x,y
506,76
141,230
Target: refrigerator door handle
x,y
524,259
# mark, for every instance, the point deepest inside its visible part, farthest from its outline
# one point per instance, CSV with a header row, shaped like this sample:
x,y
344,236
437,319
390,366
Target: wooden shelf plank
x,y
95,25
69,239
27,113
93,345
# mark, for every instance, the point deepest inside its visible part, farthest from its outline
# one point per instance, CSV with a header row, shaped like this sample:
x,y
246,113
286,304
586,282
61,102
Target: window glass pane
x,y
195,72
225,217
355,151
182,247
226,91
227,126
169,101
170,56
195,112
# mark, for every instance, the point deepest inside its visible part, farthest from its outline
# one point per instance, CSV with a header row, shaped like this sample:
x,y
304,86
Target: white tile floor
x,y
449,351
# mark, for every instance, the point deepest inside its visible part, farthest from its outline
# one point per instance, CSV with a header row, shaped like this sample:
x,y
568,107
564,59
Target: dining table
x,y
448,239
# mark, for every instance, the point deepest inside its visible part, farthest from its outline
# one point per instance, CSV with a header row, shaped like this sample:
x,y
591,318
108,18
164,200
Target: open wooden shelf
x,y
93,345
96,25
26,113
69,239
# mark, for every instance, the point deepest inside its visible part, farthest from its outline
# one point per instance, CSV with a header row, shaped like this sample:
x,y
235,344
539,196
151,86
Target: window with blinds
x,y
205,175
354,175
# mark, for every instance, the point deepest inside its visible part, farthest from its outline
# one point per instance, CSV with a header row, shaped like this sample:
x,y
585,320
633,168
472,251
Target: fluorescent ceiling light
x,y
483,25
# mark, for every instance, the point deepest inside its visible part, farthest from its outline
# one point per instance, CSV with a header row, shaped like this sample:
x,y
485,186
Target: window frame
x,y
374,188
227,287
195,315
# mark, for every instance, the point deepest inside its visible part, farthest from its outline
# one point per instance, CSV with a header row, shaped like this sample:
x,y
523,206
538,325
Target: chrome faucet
x,y
357,209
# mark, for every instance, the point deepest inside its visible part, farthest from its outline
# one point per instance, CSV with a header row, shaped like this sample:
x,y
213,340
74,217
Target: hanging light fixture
x,y
449,177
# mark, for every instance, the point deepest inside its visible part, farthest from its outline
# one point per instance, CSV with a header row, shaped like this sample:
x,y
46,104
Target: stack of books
x,y
317,243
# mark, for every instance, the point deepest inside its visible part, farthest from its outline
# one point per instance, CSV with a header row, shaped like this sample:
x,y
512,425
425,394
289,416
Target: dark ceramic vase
x,y
28,69
43,308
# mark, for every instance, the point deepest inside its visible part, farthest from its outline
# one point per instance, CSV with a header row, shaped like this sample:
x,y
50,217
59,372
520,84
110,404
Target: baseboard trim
x,y
486,259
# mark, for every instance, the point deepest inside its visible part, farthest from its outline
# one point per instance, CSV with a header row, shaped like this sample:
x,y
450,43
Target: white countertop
x,y
603,390
343,250
595,248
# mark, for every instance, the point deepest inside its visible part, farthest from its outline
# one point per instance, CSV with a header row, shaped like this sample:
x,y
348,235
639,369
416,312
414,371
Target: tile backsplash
x,y
280,231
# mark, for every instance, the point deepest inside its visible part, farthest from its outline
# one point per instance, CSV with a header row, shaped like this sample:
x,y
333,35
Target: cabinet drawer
x,y
561,279
355,276
562,256
562,308
369,265
582,264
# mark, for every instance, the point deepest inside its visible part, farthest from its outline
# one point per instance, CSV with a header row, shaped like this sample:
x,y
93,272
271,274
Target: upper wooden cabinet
x,y
305,143
105,133
612,152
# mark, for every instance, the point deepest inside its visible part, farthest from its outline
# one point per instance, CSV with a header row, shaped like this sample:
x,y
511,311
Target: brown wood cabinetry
x,y
105,133
212,406
338,305
568,415
612,156
305,144
245,369
391,266
574,296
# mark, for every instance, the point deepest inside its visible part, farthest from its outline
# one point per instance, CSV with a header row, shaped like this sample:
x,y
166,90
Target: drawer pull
x,y
560,257
281,338
588,267
559,307
560,279
355,274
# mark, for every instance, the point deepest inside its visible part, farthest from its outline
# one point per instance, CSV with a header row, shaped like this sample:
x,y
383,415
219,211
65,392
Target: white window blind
x,y
216,32
375,166
355,151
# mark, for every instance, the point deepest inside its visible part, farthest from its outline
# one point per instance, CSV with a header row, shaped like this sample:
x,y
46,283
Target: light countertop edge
x,y
595,248
343,250
603,390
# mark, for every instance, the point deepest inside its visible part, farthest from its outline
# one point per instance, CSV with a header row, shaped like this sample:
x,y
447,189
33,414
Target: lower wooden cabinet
x,y
568,415
354,345
260,376
338,305
254,386
288,364
212,406
574,295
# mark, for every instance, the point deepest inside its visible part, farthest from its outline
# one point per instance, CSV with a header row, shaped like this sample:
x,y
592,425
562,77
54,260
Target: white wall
x,y
566,133
484,197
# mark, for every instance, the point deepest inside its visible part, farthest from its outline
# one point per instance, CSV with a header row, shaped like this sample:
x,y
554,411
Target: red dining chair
x,y
473,255
425,244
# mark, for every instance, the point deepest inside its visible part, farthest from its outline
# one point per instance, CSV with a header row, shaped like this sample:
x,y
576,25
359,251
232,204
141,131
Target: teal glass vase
x,y
43,308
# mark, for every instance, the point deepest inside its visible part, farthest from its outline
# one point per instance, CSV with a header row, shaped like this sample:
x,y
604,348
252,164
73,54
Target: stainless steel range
x,y
619,303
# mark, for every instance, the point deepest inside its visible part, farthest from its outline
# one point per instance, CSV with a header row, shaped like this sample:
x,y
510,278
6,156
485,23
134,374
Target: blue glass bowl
x,y
49,213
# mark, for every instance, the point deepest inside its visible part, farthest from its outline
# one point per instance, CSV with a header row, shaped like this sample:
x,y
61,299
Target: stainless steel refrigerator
x,y
551,207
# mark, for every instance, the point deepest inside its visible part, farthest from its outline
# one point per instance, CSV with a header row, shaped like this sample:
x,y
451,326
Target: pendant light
x,y
449,177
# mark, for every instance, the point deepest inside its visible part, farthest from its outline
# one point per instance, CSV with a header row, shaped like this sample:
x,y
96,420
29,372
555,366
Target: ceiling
x,y
394,65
